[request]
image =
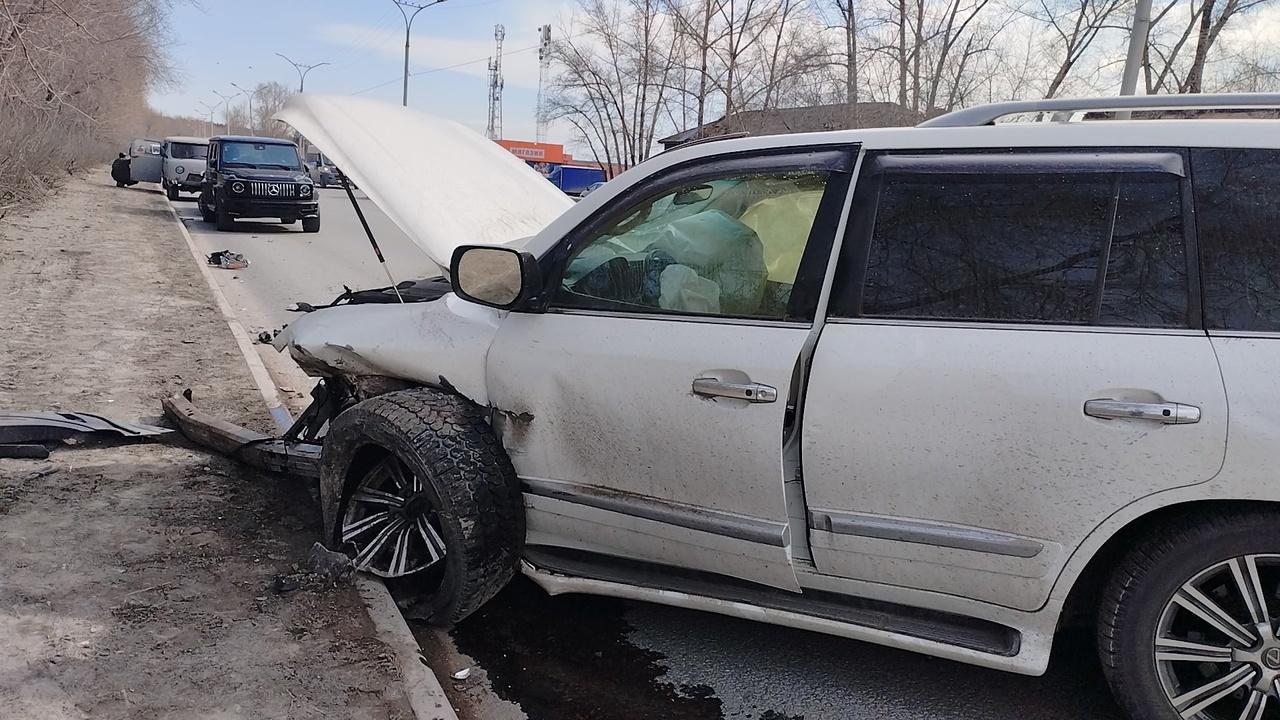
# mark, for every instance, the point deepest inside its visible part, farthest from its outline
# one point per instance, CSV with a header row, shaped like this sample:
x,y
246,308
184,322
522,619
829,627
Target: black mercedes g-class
x,y
252,177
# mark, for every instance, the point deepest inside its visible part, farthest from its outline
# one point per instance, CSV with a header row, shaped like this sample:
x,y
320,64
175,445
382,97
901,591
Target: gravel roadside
x,y
153,580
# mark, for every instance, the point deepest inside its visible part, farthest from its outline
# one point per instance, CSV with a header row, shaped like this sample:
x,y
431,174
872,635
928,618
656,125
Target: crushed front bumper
x,y
297,452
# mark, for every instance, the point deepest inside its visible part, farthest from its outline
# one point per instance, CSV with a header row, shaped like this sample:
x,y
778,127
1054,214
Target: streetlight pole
x,y
302,70
226,109
208,112
248,95
408,24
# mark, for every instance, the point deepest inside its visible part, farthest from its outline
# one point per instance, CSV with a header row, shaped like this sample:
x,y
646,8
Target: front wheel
x,y
1187,623
171,191
206,214
311,224
415,484
223,218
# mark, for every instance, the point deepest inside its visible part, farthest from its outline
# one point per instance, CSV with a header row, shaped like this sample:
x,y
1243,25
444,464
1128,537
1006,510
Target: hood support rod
x,y
346,185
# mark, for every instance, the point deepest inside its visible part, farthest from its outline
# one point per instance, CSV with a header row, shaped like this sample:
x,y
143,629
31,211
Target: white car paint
x,y
604,398
443,184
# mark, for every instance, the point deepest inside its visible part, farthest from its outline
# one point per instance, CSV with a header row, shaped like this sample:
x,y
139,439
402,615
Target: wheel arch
x,y
1082,596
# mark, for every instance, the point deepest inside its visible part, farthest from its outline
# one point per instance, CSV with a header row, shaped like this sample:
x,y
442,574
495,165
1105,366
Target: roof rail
x,y
988,114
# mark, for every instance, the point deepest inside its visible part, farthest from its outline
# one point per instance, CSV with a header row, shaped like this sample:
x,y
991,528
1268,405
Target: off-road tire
x,y
311,224
448,441
171,191
223,219
1134,597
206,214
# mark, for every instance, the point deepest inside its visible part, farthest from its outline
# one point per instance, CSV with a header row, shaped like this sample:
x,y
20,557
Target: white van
x,y
183,164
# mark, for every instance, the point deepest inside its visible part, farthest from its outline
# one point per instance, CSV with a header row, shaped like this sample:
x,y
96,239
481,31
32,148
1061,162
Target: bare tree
x,y
74,77
1076,24
613,80
1182,36
269,99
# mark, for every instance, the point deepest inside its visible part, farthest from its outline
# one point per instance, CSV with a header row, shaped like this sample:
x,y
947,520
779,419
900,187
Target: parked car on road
x,y
947,389
183,164
257,177
322,170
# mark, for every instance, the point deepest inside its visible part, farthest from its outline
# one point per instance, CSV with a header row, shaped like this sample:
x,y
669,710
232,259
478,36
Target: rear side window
x,y
1100,248
1237,196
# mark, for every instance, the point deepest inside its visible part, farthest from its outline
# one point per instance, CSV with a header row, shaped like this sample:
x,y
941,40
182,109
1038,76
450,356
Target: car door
x,y
148,161
645,409
1013,354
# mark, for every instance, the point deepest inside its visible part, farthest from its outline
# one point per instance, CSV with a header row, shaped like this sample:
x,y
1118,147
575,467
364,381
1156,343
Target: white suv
x,y
943,388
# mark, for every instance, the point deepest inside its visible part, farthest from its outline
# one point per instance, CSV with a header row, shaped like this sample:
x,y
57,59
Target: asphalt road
x,y
571,658
287,265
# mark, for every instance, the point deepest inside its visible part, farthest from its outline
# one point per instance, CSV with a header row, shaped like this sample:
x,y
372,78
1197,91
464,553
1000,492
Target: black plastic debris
x,y
228,259
20,428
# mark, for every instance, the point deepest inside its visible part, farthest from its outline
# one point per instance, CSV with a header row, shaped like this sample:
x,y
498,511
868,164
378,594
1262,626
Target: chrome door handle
x,y
1167,413
751,392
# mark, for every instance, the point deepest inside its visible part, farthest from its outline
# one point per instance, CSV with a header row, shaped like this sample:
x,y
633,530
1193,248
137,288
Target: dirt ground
x,y
153,580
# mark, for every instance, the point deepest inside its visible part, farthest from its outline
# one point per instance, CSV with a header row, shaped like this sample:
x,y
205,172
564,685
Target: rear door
x,y
1013,353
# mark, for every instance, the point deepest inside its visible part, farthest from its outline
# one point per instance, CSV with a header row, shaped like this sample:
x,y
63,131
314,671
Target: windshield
x,y
260,155
187,151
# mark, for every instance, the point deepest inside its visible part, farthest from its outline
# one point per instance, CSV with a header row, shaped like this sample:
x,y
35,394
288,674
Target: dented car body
x,y
927,388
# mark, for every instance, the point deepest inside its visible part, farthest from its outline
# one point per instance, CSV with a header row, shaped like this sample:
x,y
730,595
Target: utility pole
x,y
404,6
226,109
1137,47
494,131
544,63
1137,51
302,70
250,96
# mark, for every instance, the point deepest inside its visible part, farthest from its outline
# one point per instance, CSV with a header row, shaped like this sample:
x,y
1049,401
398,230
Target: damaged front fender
x,y
441,344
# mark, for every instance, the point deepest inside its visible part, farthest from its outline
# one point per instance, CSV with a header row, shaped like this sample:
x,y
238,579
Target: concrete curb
x,y
426,696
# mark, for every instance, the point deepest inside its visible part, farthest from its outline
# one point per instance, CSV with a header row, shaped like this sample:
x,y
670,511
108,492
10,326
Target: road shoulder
x,y
154,579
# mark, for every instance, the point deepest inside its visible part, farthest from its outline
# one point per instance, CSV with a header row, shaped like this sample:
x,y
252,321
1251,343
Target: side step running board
x,y
946,628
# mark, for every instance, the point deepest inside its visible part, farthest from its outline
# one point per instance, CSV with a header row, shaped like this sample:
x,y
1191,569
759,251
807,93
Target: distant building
x,y
813,118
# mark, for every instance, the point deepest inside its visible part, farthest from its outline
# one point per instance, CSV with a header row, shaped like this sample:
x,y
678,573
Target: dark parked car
x,y
255,177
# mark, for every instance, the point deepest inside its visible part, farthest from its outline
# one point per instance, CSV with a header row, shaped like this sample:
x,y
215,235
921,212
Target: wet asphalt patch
x,y
567,658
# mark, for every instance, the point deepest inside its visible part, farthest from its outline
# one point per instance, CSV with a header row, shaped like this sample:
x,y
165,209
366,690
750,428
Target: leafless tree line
x,y
74,77
628,71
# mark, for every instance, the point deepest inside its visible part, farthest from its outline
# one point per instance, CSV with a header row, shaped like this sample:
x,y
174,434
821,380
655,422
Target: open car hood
x,y
442,183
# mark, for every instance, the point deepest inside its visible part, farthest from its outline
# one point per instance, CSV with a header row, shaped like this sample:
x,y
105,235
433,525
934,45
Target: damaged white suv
x,y
945,388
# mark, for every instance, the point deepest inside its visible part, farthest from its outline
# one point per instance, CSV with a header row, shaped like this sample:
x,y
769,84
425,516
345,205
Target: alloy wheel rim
x,y
391,526
1217,654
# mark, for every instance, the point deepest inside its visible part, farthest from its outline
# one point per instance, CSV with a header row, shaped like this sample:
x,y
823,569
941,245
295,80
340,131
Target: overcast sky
x,y
220,42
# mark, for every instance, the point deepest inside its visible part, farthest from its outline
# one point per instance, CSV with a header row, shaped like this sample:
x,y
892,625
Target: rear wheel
x,y
418,486
1187,625
311,224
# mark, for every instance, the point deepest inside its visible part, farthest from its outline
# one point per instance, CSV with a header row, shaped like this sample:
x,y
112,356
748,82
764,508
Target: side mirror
x,y
499,277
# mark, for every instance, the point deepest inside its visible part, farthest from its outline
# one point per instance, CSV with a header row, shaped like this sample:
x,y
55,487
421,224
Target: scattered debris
x,y
283,585
462,674
228,260
32,452
332,564
33,427
266,336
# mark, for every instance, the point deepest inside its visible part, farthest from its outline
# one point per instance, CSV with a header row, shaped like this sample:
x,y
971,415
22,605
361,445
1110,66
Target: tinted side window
x,y
1028,247
1237,196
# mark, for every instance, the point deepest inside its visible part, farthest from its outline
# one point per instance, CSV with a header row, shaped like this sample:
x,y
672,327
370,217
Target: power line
x,y
454,66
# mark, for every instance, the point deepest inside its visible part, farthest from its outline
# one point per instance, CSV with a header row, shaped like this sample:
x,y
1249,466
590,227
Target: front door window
x,y
728,246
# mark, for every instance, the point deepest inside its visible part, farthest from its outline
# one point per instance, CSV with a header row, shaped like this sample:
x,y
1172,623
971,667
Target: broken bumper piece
x,y
291,454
